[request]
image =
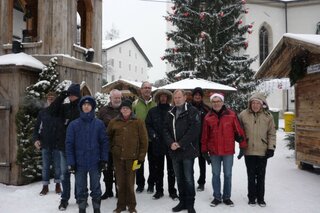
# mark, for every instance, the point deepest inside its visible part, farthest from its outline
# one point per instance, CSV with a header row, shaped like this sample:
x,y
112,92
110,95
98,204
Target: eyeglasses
x,y
146,87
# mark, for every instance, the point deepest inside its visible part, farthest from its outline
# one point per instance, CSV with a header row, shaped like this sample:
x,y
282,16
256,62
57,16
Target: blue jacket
x,y
86,141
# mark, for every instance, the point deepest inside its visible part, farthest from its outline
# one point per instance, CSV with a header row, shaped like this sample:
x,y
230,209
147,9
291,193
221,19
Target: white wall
x,y
133,67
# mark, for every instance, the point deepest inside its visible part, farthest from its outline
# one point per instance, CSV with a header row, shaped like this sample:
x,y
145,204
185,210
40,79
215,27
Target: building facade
x,y
124,59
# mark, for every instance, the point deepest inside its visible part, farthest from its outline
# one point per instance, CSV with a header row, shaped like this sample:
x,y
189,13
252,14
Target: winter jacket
x,y
65,113
45,130
203,110
184,130
155,125
107,113
141,108
128,139
86,140
259,128
219,131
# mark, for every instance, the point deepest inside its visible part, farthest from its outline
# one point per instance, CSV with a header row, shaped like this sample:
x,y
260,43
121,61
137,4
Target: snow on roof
x,y
191,83
21,59
106,44
133,83
310,38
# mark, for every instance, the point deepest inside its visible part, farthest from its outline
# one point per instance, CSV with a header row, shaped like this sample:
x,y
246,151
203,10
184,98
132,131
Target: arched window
x,y
263,44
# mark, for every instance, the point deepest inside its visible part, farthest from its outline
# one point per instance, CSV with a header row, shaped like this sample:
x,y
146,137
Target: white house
x,y
271,19
124,59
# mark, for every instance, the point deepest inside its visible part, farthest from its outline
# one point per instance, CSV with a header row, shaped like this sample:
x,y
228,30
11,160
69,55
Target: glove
x,y
206,157
140,162
241,153
72,169
103,166
238,138
64,93
269,153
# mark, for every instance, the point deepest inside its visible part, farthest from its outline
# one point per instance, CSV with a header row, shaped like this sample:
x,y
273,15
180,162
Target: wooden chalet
x,y
69,30
297,56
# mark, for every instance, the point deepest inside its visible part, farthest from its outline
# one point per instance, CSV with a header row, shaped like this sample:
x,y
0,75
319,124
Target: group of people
x,y
166,128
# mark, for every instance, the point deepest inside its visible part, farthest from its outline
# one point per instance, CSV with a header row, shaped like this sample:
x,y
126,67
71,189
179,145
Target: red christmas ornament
x,y
240,21
186,14
243,1
202,35
168,39
249,31
202,16
246,11
221,14
250,26
173,7
175,50
246,44
162,58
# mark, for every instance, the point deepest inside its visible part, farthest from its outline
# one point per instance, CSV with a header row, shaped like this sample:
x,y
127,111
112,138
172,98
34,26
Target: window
x,y
129,67
135,55
119,49
263,44
84,25
129,52
141,70
112,62
135,68
119,64
113,78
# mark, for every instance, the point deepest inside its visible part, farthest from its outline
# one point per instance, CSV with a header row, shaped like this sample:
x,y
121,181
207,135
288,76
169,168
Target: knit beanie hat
x,y
197,90
74,89
126,103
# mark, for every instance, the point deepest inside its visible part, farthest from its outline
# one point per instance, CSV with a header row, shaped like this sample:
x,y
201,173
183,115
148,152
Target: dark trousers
x,y
108,175
183,169
140,180
256,172
81,177
202,167
159,170
125,183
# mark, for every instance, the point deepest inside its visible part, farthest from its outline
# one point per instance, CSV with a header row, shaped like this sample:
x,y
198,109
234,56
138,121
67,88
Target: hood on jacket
x,y
160,92
87,99
259,96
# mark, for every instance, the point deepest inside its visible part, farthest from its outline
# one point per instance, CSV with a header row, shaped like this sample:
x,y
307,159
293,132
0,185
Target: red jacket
x,y
218,134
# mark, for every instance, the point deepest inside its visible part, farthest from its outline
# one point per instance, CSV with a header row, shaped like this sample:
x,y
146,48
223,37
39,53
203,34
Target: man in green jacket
x,y
140,107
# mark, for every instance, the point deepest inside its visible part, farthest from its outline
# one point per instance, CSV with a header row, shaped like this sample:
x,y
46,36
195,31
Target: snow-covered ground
x,y
288,189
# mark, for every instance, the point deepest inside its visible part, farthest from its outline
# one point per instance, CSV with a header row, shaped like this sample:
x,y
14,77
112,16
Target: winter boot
x,y
58,188
96,205
82,210
181,206
45,190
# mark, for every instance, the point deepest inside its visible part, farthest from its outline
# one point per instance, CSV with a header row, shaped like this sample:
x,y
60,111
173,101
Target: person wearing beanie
x,y
260,130
106,113
87,153
129,144
65,112
158,148
197,102
181,133
220,129
140,108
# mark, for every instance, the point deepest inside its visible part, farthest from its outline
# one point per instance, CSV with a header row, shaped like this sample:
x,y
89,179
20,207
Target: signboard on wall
x,y
313,68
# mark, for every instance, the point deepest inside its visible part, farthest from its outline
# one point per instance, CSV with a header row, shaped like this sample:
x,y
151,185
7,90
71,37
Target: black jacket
x,y
45,130
155,125
65,113
183,129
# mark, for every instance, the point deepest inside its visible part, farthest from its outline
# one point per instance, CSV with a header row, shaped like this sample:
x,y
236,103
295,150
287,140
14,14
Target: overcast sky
x,y
144,21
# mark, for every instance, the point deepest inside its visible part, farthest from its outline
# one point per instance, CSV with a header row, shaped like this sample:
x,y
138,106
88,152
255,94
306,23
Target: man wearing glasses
x,y
141,106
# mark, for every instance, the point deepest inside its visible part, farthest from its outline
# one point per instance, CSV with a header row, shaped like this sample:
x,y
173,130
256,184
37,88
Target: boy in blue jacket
x,y
87,149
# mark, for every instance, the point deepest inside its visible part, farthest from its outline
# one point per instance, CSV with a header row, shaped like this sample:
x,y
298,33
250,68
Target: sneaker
x,y
174,196
133,210
63,205
150,190
191,210
252,203
228,202
58,188
200,188
215,202
179,207
45,190
261,203
139,189
157,195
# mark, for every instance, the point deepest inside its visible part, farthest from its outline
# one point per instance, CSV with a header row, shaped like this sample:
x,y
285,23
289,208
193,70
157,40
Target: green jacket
x,y
259,128
141,108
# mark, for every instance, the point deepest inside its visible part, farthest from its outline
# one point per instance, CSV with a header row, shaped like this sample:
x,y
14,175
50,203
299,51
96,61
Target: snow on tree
x,y
27,157
209,39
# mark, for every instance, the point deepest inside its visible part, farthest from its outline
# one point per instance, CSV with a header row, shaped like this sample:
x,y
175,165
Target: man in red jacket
x,y
220,129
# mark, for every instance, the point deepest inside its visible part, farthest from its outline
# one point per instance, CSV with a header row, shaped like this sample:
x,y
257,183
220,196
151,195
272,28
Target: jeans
x,y
216,161
65,177
81,177
50,156
256,171
183,170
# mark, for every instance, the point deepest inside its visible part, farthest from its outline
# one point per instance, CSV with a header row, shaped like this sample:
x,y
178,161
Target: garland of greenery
x,y
298,67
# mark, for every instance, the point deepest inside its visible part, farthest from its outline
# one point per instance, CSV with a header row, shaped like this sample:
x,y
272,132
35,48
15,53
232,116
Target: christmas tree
x,y
209,39
28,158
